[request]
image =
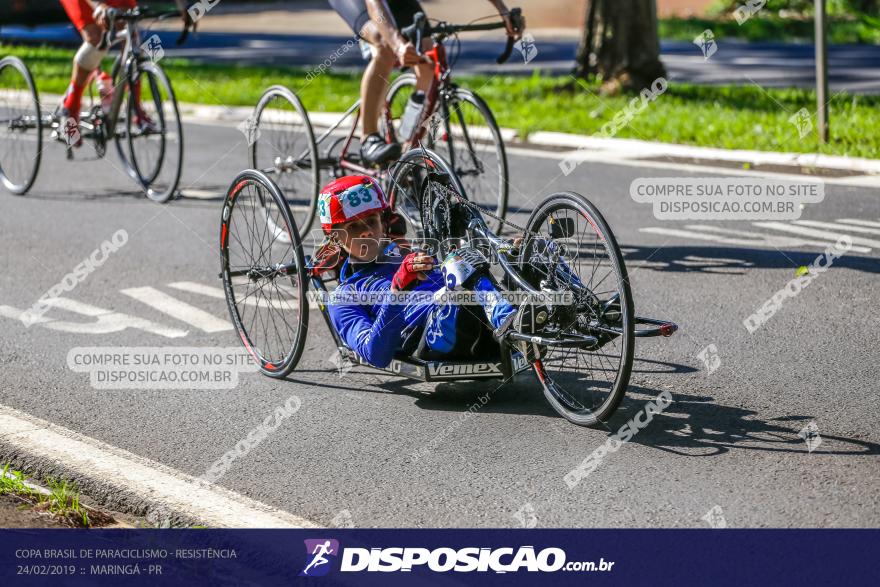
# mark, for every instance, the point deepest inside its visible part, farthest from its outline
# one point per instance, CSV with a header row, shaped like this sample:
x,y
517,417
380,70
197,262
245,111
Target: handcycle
x,y
566,252
454,120
139,113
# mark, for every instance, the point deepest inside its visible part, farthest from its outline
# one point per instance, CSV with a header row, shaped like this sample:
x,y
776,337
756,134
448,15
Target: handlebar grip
x,y
413,31
517,17
507,51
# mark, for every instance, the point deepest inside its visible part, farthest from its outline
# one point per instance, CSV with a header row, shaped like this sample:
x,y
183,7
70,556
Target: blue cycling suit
x,y
376,329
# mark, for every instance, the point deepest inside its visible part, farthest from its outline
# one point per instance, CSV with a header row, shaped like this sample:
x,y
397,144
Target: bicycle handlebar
x,y
136,14
420,27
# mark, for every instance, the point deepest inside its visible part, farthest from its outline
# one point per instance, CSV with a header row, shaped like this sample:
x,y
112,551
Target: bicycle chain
x,y
483,211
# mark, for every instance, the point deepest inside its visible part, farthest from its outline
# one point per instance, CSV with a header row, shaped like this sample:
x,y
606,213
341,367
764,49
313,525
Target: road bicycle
x,y
136,109
565,253
454,120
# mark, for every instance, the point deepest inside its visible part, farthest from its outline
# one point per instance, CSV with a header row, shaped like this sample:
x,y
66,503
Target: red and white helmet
x,y
348,198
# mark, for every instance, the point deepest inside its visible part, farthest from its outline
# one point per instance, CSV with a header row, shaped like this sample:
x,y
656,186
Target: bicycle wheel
x,y
584,385
264,277
412,179
282,145
21,128
153,133
474,147
466,135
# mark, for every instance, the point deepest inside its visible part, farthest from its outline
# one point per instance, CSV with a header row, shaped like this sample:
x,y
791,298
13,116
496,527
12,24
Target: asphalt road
x,y
729,439
850,67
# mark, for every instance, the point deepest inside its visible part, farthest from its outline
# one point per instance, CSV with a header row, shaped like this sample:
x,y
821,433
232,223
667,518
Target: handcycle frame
x,y
583,323
509,363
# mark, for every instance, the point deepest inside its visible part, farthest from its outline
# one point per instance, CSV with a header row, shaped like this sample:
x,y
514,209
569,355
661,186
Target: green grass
x,y
734,117
13,483
768,27
62,501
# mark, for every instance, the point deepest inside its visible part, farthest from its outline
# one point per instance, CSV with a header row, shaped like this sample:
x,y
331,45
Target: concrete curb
x,y
633,148
125,482
557,141
616,148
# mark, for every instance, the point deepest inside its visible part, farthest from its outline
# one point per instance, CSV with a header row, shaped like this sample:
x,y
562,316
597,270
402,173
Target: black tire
x,y
21,127
406,185
284,148
469,138
574,389
269,309
154,157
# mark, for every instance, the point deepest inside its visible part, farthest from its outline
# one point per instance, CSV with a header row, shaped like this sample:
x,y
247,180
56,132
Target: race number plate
x,y
456,268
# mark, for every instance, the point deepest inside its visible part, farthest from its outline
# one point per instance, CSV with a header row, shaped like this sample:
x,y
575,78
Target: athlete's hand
x,y
407,55
414,268
100,15
512,31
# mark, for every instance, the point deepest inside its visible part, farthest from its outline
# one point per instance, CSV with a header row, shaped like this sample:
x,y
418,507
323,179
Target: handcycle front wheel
x,y
21,128
264,275
464,132
153,135
282,144
584,385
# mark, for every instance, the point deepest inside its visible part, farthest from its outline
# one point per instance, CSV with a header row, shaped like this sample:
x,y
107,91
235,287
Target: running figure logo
x,y
317,562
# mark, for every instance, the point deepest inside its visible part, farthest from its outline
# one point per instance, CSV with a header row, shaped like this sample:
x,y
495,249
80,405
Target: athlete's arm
x,y
99,12
373,339
381,15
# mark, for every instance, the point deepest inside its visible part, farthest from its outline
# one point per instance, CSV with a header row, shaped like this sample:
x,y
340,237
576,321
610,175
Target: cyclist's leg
x,y
88,57
374,82
424,71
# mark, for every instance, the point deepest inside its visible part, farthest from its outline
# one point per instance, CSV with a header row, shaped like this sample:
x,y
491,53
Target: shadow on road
x,y
734,260
694,425
118,195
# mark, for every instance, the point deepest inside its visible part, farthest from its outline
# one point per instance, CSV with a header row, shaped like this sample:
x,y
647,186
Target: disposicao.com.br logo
x,y
440,560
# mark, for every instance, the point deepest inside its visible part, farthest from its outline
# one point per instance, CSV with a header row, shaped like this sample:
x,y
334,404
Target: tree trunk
x,y
620,45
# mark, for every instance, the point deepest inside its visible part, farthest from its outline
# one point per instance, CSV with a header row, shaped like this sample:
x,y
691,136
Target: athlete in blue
x,y
365,308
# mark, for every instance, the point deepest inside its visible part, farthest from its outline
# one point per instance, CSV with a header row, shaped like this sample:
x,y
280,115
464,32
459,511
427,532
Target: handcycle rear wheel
x,y
264,276
469,138
21,128
584,385
282,145
153,134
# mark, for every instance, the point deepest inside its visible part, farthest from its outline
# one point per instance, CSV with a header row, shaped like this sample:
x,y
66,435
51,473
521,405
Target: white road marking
x,y
164,489
178,309
771,240
201,194
107,321
199,288
839,227
729,236
700,236
217,293
824,234
859,222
